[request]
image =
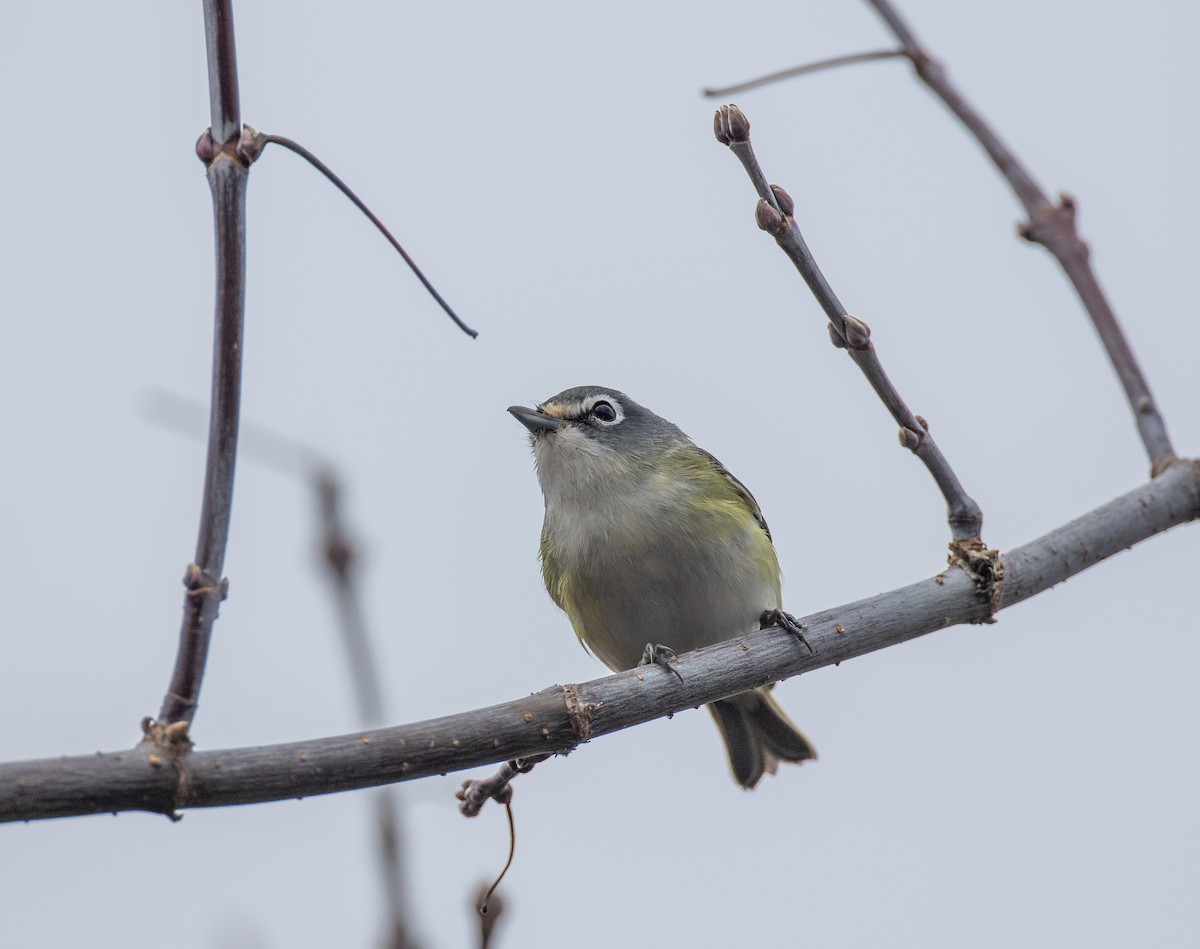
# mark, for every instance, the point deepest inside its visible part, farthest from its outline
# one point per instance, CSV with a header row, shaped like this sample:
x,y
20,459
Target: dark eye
x,y
604,412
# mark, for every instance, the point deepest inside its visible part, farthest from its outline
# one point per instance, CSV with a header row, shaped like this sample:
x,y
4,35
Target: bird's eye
x,y
604,412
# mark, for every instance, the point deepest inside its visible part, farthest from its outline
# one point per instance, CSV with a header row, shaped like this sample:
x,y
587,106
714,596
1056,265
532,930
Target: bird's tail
x,y
758,735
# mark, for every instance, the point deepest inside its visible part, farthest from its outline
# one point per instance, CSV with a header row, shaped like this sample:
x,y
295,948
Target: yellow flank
x,y
709,509
558,585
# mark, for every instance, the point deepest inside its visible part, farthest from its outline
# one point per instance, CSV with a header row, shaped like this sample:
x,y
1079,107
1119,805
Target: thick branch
x,y
774,216
227,179
1052,226
560,718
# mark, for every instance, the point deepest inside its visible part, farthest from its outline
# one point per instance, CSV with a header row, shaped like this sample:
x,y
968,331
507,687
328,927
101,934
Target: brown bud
x,y
206,148
858,334
910,439
835,338
922,422
768,218
786,204
730,125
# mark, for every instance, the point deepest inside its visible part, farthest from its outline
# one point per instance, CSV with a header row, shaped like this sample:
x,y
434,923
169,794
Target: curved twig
x,y
260,140
820,65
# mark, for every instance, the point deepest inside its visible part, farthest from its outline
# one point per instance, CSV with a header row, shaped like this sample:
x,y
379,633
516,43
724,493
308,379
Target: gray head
x,y
591,433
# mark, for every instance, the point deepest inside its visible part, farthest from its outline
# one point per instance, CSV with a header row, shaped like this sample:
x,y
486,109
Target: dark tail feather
x,y
758,735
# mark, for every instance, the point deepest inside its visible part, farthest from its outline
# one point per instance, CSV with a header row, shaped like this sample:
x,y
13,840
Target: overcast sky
x,y
552,167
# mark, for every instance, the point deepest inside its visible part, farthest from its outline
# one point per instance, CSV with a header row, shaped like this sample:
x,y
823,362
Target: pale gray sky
x,y
552,167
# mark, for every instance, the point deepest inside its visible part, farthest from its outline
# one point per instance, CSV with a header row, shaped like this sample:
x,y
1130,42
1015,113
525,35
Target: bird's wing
x,y
741,489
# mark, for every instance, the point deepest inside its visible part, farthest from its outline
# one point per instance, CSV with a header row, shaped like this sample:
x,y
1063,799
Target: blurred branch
x,y
341,559
558,719
257,443
294,459
774,215
227,178
259,140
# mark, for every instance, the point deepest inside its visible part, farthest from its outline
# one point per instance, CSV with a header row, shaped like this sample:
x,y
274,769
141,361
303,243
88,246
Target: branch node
x,y
475,793
198,583
251,144
1162,463
173,741
579,711
1046,217
985,568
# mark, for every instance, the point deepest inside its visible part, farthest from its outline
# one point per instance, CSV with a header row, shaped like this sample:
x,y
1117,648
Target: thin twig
x,y
227,178
260,140
775,216
560,718
1052,226
833,62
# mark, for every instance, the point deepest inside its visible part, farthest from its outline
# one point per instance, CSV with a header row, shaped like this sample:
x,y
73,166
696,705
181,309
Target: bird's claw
x,y
788,622
656,655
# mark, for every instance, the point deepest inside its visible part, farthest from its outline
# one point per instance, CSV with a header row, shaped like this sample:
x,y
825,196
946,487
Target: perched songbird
x,y
648,536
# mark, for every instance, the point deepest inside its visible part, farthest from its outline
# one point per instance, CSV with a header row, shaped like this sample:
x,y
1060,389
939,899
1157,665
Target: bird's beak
x,y
534,419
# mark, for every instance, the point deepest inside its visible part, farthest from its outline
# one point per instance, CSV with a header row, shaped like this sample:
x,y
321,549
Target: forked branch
x,y
1050,224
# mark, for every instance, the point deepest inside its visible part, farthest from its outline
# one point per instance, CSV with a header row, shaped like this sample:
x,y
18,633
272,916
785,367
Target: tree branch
x,y
227,178
1052,226
774,215
558,719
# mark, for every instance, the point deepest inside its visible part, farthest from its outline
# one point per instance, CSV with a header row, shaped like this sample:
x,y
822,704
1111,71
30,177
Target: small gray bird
x,y
647,534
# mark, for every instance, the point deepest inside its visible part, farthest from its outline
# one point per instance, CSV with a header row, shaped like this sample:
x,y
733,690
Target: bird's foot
x,y
656,655
788,622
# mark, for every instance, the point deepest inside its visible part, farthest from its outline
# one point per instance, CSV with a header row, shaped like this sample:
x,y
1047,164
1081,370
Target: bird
x,y
647,534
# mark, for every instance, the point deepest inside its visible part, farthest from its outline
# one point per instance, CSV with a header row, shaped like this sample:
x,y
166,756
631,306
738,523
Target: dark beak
x,y
534,419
